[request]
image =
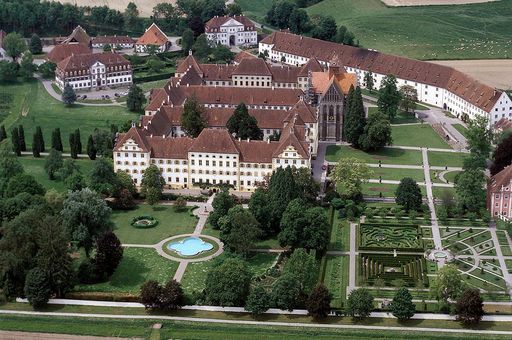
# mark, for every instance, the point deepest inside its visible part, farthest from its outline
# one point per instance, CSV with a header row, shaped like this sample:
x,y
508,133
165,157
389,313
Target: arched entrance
x,y
231,40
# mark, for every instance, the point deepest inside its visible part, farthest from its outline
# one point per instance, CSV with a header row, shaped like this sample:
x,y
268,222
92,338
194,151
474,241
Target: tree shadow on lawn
x,y
130,274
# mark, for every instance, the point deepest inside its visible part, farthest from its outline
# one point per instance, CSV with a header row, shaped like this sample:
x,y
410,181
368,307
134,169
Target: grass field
x,y
35,167
170,223
137,266
398,174
401,117
426,32
417,135
153,85
438,158
385,155
461,128
32,106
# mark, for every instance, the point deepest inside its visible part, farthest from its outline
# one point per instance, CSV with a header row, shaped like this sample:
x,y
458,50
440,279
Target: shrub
x,y
180,204
144,221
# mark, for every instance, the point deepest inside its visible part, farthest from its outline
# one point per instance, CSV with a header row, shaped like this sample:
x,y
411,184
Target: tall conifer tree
x,y
21,135
56,140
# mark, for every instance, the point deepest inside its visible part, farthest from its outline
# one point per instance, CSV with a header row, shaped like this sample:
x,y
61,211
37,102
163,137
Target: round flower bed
x,y
144,222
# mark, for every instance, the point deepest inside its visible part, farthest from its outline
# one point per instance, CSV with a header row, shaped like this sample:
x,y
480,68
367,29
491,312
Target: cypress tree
x,y
3,134
21,135
36,146
56,140
78,141
15,141
72,145
91,148
355,117
39,134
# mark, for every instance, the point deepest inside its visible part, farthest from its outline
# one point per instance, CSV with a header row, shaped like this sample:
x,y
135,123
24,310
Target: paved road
x,y
503,266
436,235
352,259
8,335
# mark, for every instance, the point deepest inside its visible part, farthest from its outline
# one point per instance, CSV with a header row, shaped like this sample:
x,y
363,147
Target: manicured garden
x,y
170,223
421,135
450,159
384,155
336,279
397,174
390,237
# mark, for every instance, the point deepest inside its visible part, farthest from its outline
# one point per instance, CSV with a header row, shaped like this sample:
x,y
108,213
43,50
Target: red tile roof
x,y
471,90
113,39
214,141
252,67
501,179
214,24
62,51
79,35
242,55
153,36
85,61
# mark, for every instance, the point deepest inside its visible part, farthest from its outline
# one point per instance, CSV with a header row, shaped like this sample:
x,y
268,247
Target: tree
x,y
408,98
318,303
501,157
78,142
299,21
279,13
91,148
402,306
368,81
27,66
57,140
72,145
306,185
14,45
153,196
167,17
479,136
260,209
447,284
37,288
154,65
131,14
325,28
187,40
23,183
221,204
469,308
227,284
239,230
354,117
3,133
172,297
152,178
15,140
201,47
281,190
376,133
469,189
109,254
349,175
86,216
359,303
180,204
10,166
389,97
150,293
53,163
47,69
243,125
286,292
233,9
304,228
68,95
35,46
103,179
39,134
8,71
75,182
304,267
193,120
258,301
21,136
408,194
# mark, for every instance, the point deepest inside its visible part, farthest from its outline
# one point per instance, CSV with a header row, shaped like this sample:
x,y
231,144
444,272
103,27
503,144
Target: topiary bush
x,y
144,222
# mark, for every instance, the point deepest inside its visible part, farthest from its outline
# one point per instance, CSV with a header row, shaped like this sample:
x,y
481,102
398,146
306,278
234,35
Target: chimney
x,y
190,52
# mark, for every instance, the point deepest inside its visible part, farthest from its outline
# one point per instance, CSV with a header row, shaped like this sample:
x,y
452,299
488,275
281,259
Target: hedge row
x,y
153,77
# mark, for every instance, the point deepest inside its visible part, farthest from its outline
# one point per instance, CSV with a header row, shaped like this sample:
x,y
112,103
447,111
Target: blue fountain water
x,y
190,246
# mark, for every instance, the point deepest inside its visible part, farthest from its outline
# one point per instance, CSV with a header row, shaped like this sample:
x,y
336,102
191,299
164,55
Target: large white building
x,y
437,85
231,31
93,71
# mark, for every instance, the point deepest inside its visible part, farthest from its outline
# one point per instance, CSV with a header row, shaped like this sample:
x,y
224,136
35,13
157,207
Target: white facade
x,y
140,48
232,33
97,76
432,95
113,45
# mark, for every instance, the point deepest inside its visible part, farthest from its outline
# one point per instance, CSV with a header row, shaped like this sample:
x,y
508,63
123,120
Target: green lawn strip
x,y
32,106
424,32
333,280
137,266
397,174
387,190
255,9
509,265
385,155
218,331
438,191
35,167
56,88
152,85
451,159
417,135
494,279
401,117
271,243
389,294
170,223
461,128
340,234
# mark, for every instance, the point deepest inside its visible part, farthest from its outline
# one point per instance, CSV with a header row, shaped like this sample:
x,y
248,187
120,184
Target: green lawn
x,y
439,158
373,189
385,155
152,84
137,266
461,128
336,279
438,191
417,135
255,9
170,223
397,174
424,32
450,176
35,167
30,105
340,234
401,117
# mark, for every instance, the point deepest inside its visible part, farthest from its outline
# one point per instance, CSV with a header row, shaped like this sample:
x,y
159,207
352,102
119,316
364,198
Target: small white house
x,y
231,31
153,36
